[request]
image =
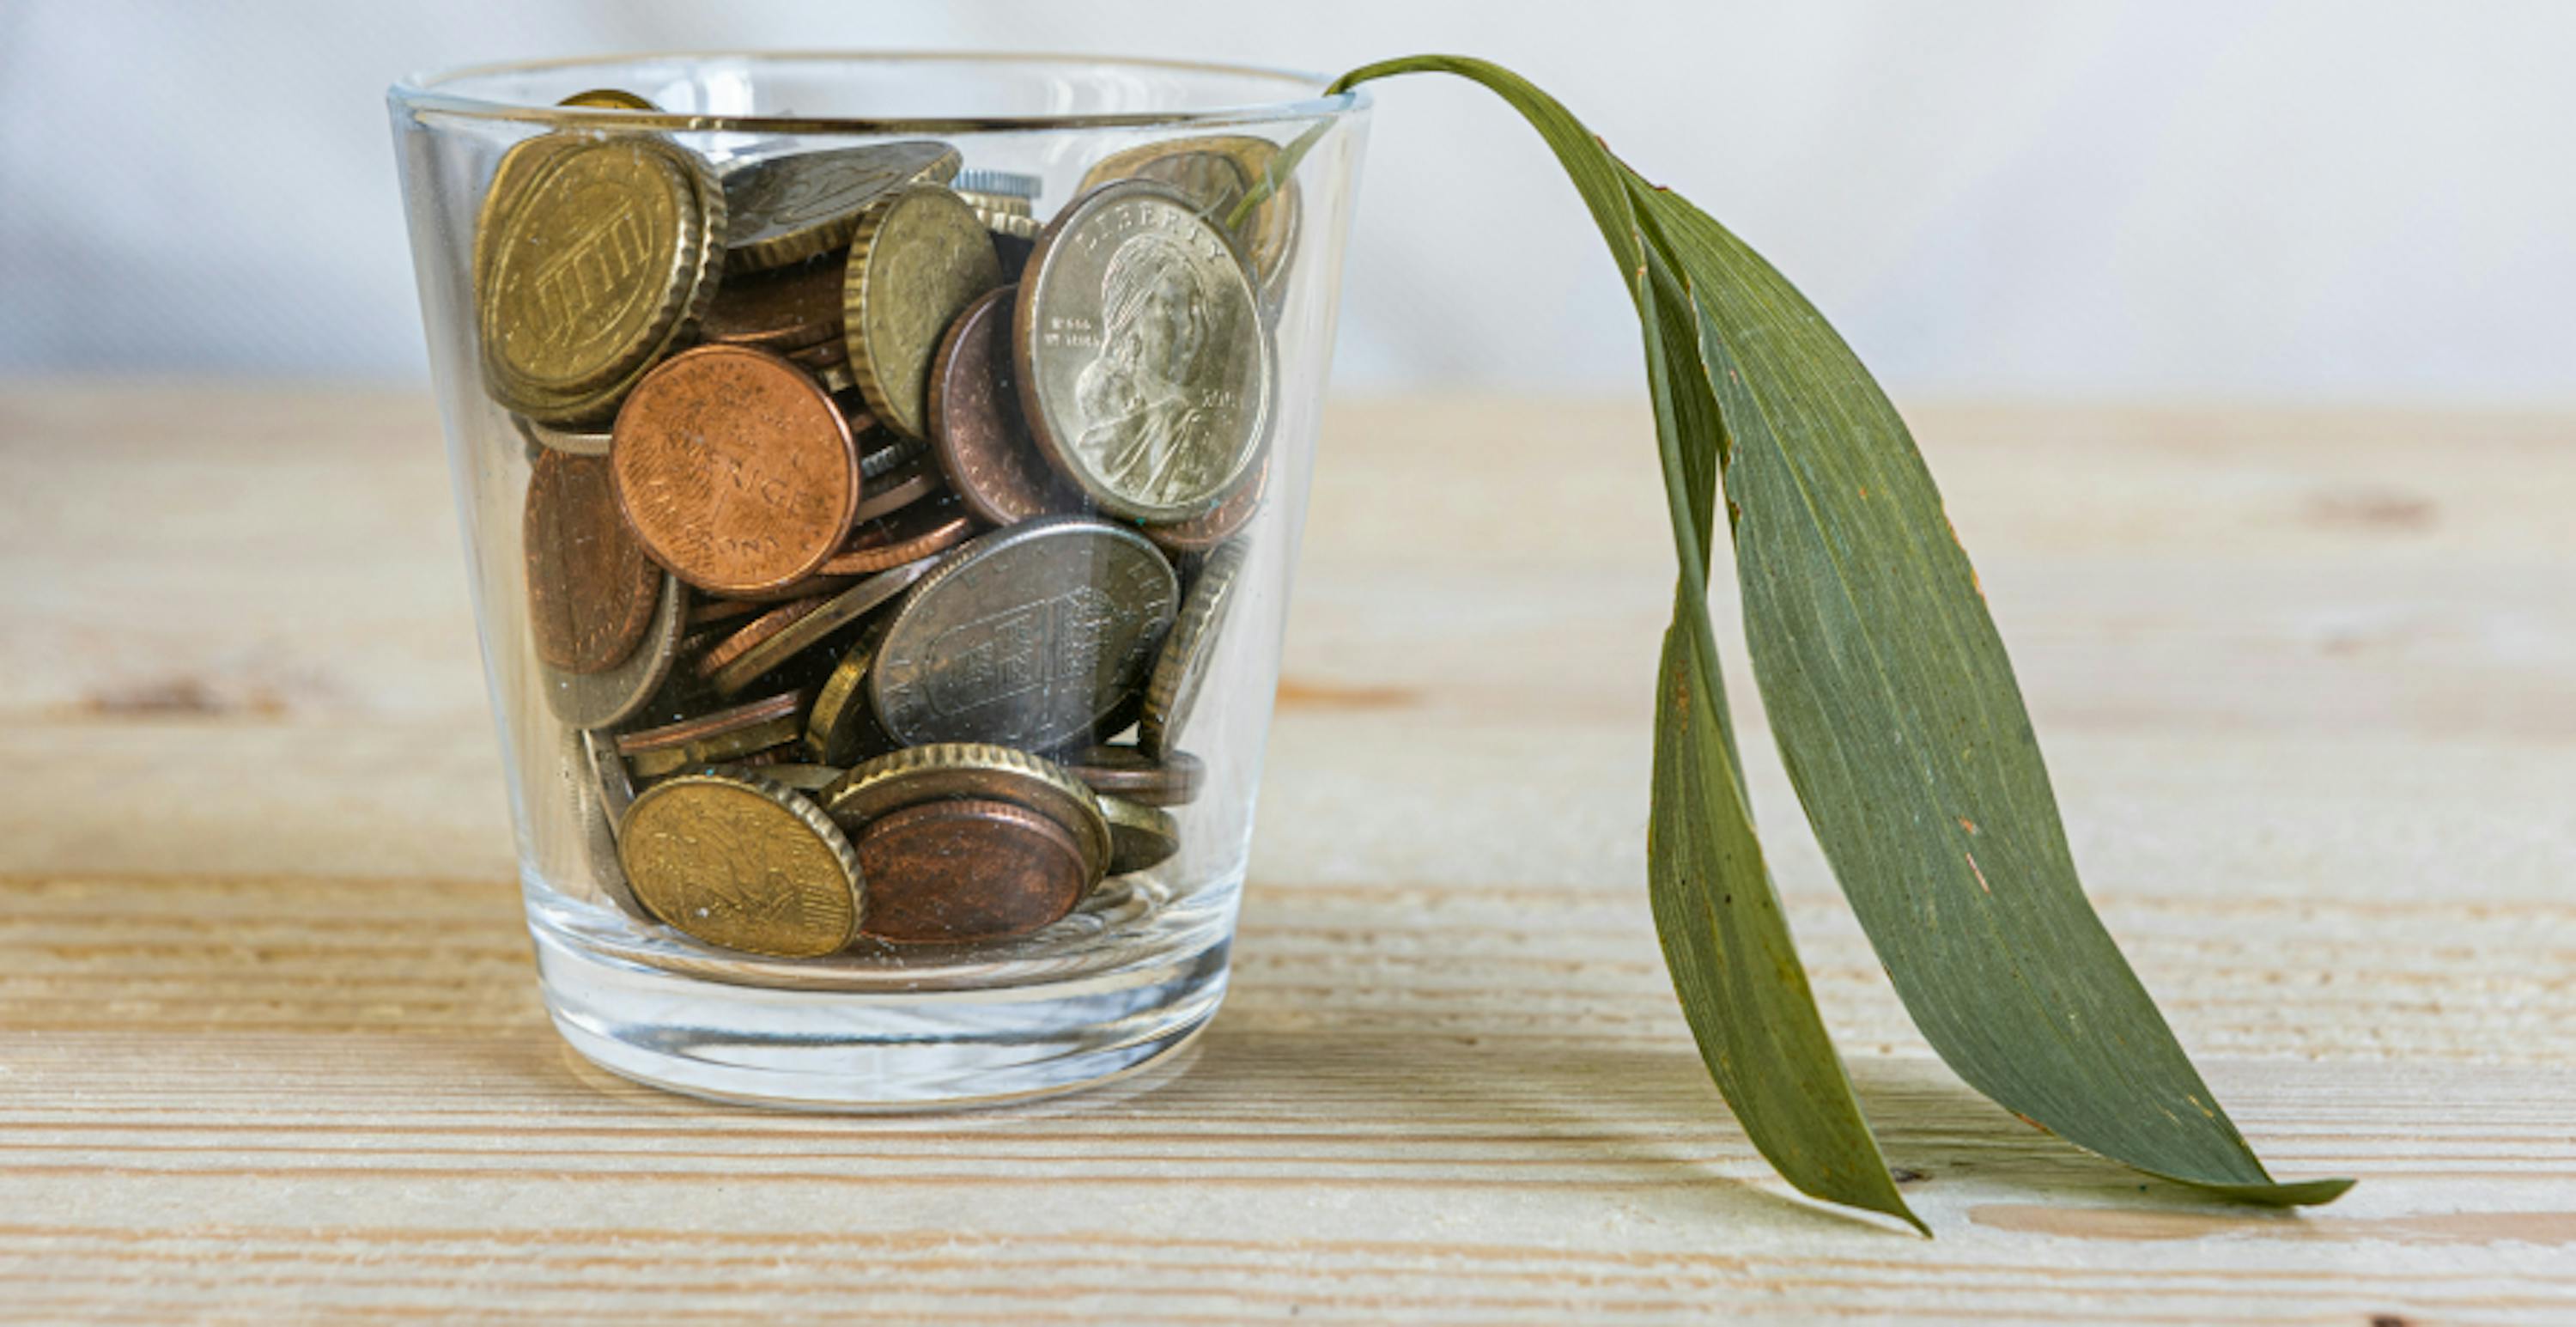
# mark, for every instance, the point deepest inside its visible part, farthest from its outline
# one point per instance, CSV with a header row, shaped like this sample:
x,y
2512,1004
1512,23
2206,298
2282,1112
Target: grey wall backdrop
x,y
2356,201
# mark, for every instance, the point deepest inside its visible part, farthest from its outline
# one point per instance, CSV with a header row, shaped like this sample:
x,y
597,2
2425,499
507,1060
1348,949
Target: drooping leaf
x,y
1896,711
1726,942
1895,708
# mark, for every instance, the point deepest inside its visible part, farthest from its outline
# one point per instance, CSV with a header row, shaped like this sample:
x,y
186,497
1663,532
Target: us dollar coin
x,y
1145,368
1032,636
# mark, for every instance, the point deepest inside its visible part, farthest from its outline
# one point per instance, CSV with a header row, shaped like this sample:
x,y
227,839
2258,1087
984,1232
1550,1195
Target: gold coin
x,y
980,770
743,863
1172,689
591,256
1215,173
918,259
609,99
841,725
1139,835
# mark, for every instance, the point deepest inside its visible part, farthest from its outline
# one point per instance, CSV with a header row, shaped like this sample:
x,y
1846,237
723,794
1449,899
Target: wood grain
x,y
270,1048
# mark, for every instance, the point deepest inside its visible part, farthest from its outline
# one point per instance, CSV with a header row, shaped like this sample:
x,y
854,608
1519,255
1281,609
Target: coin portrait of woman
x,y
1144,432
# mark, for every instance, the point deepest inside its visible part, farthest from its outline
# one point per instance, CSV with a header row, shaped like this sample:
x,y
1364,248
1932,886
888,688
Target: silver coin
x,y
1008,183
598,700
1145,368
787,208
1030,637
607,789
1173,689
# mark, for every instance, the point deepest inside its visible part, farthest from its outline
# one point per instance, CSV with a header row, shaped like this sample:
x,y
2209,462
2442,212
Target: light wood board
x,y
270,1048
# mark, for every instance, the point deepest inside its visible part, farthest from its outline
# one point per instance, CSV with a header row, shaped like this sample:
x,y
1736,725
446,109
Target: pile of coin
x,y
878,537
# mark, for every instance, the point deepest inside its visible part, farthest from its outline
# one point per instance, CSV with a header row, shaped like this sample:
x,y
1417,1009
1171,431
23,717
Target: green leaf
x,y
1726,942
1896,712
1895,709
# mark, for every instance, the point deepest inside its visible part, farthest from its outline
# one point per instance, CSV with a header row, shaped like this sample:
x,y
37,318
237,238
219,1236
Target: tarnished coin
x,y
1172,691
1217,524
1144,367
591,590
1139,835
802,776
883,451
958,871
840,729
728,734
736,470
795,206
742,863
577,441
752,633
900,487
976,433
1216,173
602,790
609,99
1124,771
945,770
907,536
590,257
810,629
1028,636
788,311
919,257
600,700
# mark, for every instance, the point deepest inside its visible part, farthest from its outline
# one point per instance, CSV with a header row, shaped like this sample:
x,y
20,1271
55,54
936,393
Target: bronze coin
x,y
907,536
707,612
757,630
788,312
976,432
671,736
953,871
591,590
1124,771
735,469
1218,523
901,487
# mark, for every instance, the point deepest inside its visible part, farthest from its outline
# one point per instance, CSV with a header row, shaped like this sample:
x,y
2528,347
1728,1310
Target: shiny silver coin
x,y
1032,636
1145,369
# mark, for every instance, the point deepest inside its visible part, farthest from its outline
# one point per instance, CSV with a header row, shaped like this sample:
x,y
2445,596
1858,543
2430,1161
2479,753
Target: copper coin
x,y
757,630
735,469
952,871
783,311
711,612
902,487
1218,523
906,536
591,590
1124,771
671,736
976,432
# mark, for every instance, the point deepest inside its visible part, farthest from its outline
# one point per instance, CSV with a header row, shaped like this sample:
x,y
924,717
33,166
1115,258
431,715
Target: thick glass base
x,y
875,1050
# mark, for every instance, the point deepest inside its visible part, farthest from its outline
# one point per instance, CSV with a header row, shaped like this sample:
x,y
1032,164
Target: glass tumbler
x,y
880,476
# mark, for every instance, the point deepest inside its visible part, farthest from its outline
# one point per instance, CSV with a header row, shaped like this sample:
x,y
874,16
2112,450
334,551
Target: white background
x,y
2331,201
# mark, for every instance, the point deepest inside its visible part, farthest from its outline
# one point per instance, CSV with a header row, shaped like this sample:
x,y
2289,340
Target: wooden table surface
x,y
270,1047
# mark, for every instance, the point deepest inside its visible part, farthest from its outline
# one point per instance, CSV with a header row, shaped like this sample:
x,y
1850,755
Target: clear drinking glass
x,y
1140,963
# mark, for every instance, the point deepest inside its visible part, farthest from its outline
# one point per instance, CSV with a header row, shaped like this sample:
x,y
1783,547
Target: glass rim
x,y
421,92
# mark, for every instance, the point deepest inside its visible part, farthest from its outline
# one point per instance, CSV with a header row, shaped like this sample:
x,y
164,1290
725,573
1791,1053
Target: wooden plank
x,y
269,1046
